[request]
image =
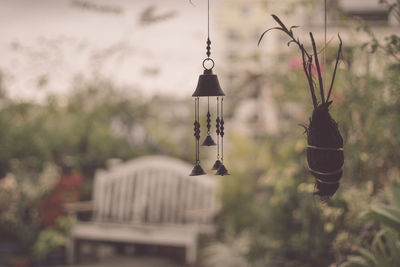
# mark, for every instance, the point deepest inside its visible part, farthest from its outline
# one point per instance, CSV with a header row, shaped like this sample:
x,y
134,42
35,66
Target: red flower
x,y
297,63
67,190
337,97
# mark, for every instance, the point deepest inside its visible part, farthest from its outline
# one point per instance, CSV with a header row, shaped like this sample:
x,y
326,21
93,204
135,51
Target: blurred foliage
x,y
20,195
50,239
95,123
96,7
149,16
384,250
267,202
390,45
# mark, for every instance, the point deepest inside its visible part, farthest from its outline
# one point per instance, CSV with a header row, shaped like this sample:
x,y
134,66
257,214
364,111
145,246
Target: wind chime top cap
x,y
208,85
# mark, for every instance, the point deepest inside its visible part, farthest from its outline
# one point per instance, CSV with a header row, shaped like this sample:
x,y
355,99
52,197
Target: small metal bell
x,y
222,170
208,141
217,164
208,85
197,170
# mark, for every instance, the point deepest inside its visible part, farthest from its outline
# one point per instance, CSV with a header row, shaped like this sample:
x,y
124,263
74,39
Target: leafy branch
x,y
307,59
391,43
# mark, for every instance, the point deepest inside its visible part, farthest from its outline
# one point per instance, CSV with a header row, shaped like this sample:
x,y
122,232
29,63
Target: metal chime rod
x,y
222,129
198,126
208,116
217,126
325,41
195,127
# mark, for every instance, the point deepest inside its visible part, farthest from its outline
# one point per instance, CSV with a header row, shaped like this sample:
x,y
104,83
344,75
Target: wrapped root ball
x,y
325,151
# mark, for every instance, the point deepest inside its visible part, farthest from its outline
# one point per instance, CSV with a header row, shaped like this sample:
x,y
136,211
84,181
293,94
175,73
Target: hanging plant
x,y
325,155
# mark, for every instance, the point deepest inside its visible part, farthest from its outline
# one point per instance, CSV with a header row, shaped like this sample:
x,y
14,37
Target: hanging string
x,y
208,31
208,19
325,19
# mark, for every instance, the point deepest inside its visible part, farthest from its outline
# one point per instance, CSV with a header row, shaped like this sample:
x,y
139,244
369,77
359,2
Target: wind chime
x,y
208,86
325,155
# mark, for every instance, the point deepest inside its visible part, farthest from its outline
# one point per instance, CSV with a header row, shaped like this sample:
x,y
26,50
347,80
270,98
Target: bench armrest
x,y
82,206
200,213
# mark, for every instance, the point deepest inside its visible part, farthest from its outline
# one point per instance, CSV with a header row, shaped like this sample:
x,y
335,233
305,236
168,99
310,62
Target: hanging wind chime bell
x,y
208,86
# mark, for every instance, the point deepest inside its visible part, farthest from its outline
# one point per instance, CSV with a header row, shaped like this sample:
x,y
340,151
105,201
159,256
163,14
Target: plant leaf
x,y
262,35
396,195
284,28
387,215
293,27
355,261
368,255
393,245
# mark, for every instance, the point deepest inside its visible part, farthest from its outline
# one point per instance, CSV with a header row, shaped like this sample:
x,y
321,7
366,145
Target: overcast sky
x,y
49,42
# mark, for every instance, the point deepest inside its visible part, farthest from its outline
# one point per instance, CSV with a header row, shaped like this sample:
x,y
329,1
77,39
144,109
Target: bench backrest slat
x,y
154,189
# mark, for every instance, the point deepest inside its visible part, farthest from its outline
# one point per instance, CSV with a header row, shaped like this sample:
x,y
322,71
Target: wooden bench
x,y
149,200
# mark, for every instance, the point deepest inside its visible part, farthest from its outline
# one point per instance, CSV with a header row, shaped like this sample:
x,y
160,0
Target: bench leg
x,y
191,253
70,250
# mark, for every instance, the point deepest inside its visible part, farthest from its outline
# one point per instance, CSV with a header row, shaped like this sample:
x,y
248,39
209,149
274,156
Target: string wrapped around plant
x,y
325,155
